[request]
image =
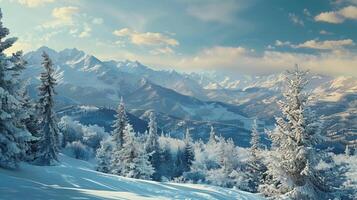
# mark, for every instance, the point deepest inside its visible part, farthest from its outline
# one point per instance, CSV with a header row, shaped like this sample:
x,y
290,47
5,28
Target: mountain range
x,y
194,100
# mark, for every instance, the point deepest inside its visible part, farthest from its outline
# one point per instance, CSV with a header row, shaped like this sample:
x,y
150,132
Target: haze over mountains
x,y
196,100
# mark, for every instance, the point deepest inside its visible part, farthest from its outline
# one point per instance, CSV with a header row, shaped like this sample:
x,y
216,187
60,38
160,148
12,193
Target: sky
x,y
235,36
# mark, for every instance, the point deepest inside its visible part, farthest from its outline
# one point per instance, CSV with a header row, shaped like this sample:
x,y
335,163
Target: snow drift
x,y
76,179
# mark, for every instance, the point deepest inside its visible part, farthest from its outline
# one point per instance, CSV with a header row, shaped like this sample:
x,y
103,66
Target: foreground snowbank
x,y
75,179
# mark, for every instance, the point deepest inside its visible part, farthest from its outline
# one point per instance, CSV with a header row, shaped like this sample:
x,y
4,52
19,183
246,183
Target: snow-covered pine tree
x,y
31,121
121,121
104,155
13,134
255,139
48,146
212,136
291,168
131,160
188,152
256,168
142,167
152,145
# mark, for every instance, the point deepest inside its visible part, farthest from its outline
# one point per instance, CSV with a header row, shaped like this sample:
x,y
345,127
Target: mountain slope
x,y
75,179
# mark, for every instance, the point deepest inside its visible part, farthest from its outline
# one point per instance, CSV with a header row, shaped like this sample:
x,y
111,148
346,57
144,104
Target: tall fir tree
x,y
188,152
48,145
121,121
291,169
13,133
256,168
152,145
255,139
212,136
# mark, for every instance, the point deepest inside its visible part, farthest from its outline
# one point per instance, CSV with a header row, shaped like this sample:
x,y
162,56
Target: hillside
x,y
75,179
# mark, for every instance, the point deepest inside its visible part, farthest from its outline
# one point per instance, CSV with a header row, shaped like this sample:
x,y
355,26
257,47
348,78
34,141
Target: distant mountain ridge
x,y
206,98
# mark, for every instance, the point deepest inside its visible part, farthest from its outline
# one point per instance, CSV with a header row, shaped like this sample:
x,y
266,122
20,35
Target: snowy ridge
x,y
75,179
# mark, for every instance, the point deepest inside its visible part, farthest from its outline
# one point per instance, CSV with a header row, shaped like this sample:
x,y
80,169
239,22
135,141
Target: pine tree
x,y
13,134
131,160
291,169
152,145
119,125
256,168
188,152
31,121
255,139
212,136
103,155
48,146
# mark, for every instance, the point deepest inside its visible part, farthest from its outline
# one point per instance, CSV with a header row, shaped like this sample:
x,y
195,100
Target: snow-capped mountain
x,y
205,98
85,80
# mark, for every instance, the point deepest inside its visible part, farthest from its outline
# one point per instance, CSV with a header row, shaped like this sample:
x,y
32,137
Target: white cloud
x,y
148,39
336,17
241,60
321,45
281,43
63,16
295,19
34,3
97,21
330,17
86,32
324,32
327,44
349,12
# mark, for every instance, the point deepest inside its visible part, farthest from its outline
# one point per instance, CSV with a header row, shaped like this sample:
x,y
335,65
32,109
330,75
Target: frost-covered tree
x,y
78,150
291,167
255,139
131,160
48,145
13,134
104,155
152,145
188,152
31,121
212,136
121,121
255,167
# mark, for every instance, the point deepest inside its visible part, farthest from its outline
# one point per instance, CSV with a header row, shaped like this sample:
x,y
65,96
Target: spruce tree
x,y
120,123
188,152
256,168
291,169
152,145
255,139
48,145
13,134
131,160
212,136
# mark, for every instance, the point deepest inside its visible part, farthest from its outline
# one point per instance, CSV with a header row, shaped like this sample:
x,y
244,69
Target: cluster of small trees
x,y
28,130
132,155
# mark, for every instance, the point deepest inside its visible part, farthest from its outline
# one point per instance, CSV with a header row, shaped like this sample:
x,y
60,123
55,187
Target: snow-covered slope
x,y
75,179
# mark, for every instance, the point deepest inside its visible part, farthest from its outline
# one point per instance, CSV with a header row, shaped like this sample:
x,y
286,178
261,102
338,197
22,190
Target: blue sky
x,y
238,36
